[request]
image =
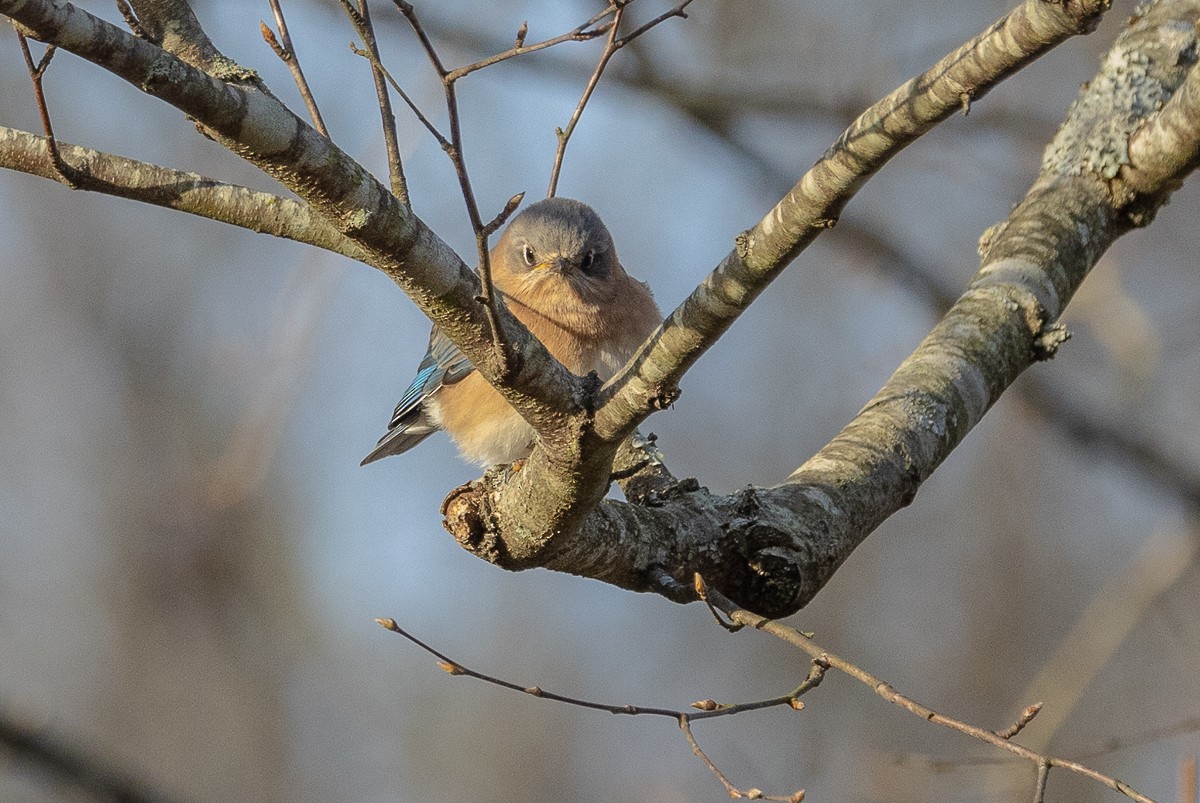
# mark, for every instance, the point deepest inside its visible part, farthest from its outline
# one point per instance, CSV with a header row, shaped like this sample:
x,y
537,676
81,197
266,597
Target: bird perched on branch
x,y
556,268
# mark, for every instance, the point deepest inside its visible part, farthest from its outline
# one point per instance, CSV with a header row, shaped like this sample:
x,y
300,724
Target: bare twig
x,y
611,46
287,54
454,149
589,30
685,726
702,592
65,172
387,117
678,11
564,134
707,709
1026,717
730,789
1043,775
361,19
495,223
425,121
793,636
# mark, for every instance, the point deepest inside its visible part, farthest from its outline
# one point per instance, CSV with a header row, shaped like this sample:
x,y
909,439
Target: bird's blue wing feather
x,y
443,365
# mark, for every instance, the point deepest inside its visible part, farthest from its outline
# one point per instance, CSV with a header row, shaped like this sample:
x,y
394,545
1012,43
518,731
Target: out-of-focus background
x,y
191,557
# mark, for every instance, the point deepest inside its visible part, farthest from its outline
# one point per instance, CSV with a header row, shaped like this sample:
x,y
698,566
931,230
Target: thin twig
x,y
495,223
454,149
1026,717
793,636
589,30
1043,775
702,592
287,54
564,134
611,46
730,789
65,172
685,726
707,709
811,681
410,14
387,117
361,19
678,11
429,126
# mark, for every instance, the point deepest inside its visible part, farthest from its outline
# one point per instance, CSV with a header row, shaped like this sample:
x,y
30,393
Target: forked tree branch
x,y
770,550
822,661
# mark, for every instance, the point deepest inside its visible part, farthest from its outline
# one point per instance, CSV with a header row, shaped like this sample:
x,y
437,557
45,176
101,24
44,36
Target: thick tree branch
x,y
197,195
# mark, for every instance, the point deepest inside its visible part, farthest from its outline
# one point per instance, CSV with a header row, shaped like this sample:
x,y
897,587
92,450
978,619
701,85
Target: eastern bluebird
x,y
556,268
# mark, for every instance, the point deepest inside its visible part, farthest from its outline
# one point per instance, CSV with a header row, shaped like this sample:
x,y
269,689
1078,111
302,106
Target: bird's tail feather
x,y
398,441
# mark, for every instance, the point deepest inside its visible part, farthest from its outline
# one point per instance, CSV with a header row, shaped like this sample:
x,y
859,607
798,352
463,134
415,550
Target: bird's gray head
x,y
559,236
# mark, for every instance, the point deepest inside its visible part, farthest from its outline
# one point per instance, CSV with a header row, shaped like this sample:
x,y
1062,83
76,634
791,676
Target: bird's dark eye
x,y
530,256
588,259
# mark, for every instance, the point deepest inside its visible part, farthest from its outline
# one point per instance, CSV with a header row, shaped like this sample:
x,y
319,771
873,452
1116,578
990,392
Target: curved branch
x,y
198,195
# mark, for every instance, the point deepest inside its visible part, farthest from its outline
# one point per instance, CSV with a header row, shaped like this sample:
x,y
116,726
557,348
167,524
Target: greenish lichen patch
x,y
1136,79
